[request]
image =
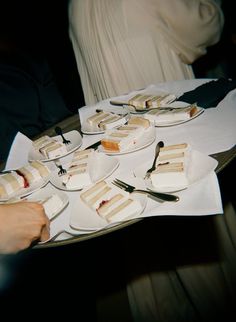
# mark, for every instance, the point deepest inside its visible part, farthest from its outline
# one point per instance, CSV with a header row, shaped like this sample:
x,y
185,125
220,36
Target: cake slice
x,y
113,121
110,203
33,172
49,147
160,100
10,183
139,121
95,119
146,101
172,167
78,174
140,100
23,177
126,136
106,120
171,115
52,205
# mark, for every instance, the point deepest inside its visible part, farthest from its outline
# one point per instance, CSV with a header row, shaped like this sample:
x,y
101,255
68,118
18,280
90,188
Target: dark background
x,y
41,28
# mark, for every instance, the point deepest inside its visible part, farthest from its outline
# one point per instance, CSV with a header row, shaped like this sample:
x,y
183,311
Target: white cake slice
x,y
146,101
169,115
42,141
140,100
52,205
112,122
23,177
95,119
53,149
160,100
172,167
105,120
33,172
110,203
49,147
78,174
10,183
126,136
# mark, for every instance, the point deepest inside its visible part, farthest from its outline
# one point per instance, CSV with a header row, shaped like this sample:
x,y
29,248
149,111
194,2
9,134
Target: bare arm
x,y
20,224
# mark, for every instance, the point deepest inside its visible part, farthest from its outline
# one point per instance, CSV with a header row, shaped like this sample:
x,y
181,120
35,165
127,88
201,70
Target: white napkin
x,y
200,199
211,132
18,155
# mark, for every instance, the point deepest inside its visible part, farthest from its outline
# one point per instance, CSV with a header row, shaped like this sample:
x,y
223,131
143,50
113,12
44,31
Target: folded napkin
x,y
18,155
201,199
210,93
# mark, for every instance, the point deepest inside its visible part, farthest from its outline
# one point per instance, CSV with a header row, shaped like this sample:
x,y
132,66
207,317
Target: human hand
x,y
21,224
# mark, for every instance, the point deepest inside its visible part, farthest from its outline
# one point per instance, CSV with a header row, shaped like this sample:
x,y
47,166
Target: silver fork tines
x,y
58,130
60,167
161,196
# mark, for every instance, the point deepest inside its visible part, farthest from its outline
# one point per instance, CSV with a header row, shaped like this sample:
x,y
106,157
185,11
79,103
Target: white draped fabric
x,y
125,45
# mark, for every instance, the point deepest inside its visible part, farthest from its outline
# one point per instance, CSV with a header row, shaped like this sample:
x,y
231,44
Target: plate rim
x,y
152,139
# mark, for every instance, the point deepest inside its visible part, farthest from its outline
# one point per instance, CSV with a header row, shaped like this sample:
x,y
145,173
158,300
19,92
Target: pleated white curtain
x,y
125,45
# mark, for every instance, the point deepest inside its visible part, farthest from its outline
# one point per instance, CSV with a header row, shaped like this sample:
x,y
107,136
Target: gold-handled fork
x,y
159,195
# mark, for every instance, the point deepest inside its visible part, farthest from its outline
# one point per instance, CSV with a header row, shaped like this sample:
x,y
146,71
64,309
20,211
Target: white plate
x,y
82,217
148,138
200,166
46,192
177,104
88,129
103,167
27,191
76,141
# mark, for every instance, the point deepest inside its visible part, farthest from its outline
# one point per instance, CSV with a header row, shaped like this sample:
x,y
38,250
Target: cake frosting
x,y
23,177
105,120
52,205
172,167
10,183
126,136
171,115
78,174
110,203
49,147
146,101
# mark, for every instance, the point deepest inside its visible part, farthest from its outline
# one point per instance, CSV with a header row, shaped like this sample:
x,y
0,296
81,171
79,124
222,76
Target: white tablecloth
x,y
211,132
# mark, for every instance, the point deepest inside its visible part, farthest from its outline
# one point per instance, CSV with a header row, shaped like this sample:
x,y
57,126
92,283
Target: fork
x,y
60,167
127,187
145,110
159,145
141,110
120,114
58,131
